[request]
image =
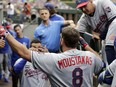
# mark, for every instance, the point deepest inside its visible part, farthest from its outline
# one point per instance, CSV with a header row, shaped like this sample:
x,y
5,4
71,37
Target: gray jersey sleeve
x,y
109,8
98,64
112,67
82,24
43,61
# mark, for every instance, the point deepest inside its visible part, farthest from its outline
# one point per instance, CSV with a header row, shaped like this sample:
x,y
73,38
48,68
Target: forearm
x,y
18,47
85,45
88,48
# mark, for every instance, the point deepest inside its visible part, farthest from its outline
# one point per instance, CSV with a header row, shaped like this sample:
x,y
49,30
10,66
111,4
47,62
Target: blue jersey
x,y
26,42
56,17
49,35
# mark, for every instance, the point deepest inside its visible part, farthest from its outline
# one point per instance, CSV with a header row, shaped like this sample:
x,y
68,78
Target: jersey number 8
x,y
77,75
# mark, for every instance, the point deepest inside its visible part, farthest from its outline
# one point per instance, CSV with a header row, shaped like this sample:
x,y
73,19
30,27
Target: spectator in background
x,y
48,32
4,57
53,13
10,10
26,13
7,23
49,1
25,41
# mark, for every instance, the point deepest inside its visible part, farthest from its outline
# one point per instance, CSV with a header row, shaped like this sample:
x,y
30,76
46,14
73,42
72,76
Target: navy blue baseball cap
x,y
81,3
49,6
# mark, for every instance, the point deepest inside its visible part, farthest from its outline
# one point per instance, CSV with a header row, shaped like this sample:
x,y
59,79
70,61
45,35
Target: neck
x,y
64,48
93,11
20,36
46,22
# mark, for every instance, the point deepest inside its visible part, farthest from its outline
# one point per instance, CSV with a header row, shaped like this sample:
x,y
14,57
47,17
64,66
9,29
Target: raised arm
x,y
15,45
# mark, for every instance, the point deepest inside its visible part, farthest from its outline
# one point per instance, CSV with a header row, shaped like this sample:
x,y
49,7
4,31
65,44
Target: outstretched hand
x,y
2,31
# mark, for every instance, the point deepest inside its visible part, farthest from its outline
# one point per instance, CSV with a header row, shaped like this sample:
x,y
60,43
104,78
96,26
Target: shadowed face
x,y
88,8
18,31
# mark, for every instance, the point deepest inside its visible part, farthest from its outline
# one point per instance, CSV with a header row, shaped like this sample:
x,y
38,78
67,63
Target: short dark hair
x,y
70,37
35,41
42,9
17,25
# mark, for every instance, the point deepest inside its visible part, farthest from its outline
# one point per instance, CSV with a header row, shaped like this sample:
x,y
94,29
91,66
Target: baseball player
x,y
100,16
31,77
109,75
70,68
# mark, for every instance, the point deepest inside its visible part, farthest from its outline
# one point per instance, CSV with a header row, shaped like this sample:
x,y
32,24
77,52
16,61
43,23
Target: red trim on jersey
x,y
82,4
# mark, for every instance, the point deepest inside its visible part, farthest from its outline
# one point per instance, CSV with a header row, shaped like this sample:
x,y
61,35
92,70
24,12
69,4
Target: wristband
x,y
83,42
6,34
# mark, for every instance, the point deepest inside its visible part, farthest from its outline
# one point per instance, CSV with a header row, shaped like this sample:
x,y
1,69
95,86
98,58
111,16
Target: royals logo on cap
x,y
81,3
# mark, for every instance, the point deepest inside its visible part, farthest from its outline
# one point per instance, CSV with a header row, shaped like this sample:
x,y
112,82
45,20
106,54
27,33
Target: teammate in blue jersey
x,y
53,13
48,32
24,41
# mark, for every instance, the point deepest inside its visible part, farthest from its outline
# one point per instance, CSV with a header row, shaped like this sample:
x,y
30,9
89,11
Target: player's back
x,y
75,68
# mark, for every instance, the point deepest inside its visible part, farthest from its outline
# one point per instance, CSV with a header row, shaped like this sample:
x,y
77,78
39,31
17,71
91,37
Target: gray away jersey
x,y
33,77
71,68
104,11
112,70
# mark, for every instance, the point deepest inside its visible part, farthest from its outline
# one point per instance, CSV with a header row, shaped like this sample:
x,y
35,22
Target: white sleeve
x,y
112,67
109,8
45,61
82,24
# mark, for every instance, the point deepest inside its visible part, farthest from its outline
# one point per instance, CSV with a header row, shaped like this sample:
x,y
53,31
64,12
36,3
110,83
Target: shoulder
x,y
59,16
26,37
39,27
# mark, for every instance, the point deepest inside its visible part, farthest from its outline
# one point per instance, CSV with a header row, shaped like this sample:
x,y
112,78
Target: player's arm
x,y
105,77
19,65
108,74
69,22
15,45
85,45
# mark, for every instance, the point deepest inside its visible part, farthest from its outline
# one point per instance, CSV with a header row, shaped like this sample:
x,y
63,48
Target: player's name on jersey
x,y
67,62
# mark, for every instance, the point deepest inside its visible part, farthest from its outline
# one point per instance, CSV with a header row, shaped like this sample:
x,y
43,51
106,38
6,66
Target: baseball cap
x,y
81,3
49,6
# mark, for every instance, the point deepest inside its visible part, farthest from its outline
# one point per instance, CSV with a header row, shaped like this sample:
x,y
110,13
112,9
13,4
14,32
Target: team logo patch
x,y
108,9
112,37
